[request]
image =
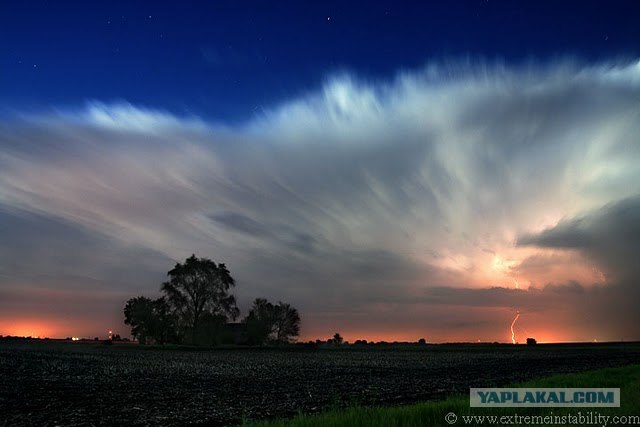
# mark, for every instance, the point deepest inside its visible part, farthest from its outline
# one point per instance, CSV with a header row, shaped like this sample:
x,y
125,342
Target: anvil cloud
x,y
435,204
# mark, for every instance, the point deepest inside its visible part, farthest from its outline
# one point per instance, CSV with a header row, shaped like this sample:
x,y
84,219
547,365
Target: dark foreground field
x,y
52,383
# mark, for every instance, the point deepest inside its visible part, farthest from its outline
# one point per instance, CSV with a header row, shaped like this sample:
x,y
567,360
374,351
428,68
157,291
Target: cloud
x,y
43,249
610,235
295,240
360,198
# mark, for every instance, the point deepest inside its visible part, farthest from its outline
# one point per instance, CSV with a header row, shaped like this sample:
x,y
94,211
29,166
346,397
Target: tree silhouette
x,y
164,323
259,321
278,323
197,306
138,313
200,286
337,339
286,323
150,319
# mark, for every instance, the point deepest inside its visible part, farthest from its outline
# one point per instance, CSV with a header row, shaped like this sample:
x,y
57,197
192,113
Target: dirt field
x,y
51,383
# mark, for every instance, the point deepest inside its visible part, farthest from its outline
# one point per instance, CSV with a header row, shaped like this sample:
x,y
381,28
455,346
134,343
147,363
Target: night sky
x,y
393,170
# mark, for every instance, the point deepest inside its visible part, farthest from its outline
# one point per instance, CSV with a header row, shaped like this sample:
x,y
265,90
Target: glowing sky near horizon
x,y
434,200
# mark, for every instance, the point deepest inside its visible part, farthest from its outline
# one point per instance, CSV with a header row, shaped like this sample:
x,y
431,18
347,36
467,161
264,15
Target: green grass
x,y
432,413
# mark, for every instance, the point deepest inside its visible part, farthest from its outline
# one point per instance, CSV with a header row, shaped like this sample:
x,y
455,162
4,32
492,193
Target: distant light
x,y
75,339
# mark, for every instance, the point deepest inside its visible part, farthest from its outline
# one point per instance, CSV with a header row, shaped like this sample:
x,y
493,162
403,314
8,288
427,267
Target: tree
x,y
164,323
337,339
286,323
278,323
200,286
138,313
259,321
150,320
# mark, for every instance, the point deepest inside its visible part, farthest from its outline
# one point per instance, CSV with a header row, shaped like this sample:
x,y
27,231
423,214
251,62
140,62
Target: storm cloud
x,y
610,236
419,203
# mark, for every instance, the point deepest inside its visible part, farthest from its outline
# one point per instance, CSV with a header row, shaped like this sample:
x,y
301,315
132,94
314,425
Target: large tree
x,y
277,323
200,286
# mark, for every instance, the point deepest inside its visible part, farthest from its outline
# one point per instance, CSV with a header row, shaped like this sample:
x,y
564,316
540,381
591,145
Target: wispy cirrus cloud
x,y
351,199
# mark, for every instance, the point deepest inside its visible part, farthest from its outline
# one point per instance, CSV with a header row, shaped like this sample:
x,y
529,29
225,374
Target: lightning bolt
x,y
513,334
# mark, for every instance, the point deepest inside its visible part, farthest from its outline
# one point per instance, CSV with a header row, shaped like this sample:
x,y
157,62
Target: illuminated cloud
x,y
363,200
610,235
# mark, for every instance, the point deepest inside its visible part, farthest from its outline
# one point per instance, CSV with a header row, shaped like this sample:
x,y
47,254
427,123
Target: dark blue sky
x,y
226,60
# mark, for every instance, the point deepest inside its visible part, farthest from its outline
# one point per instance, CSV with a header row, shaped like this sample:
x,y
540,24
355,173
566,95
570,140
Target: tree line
x,y
196,307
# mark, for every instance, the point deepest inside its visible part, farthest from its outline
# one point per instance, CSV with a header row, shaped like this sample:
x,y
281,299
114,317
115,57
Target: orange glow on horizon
x,y
541,336
28,328
50,328
39,328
